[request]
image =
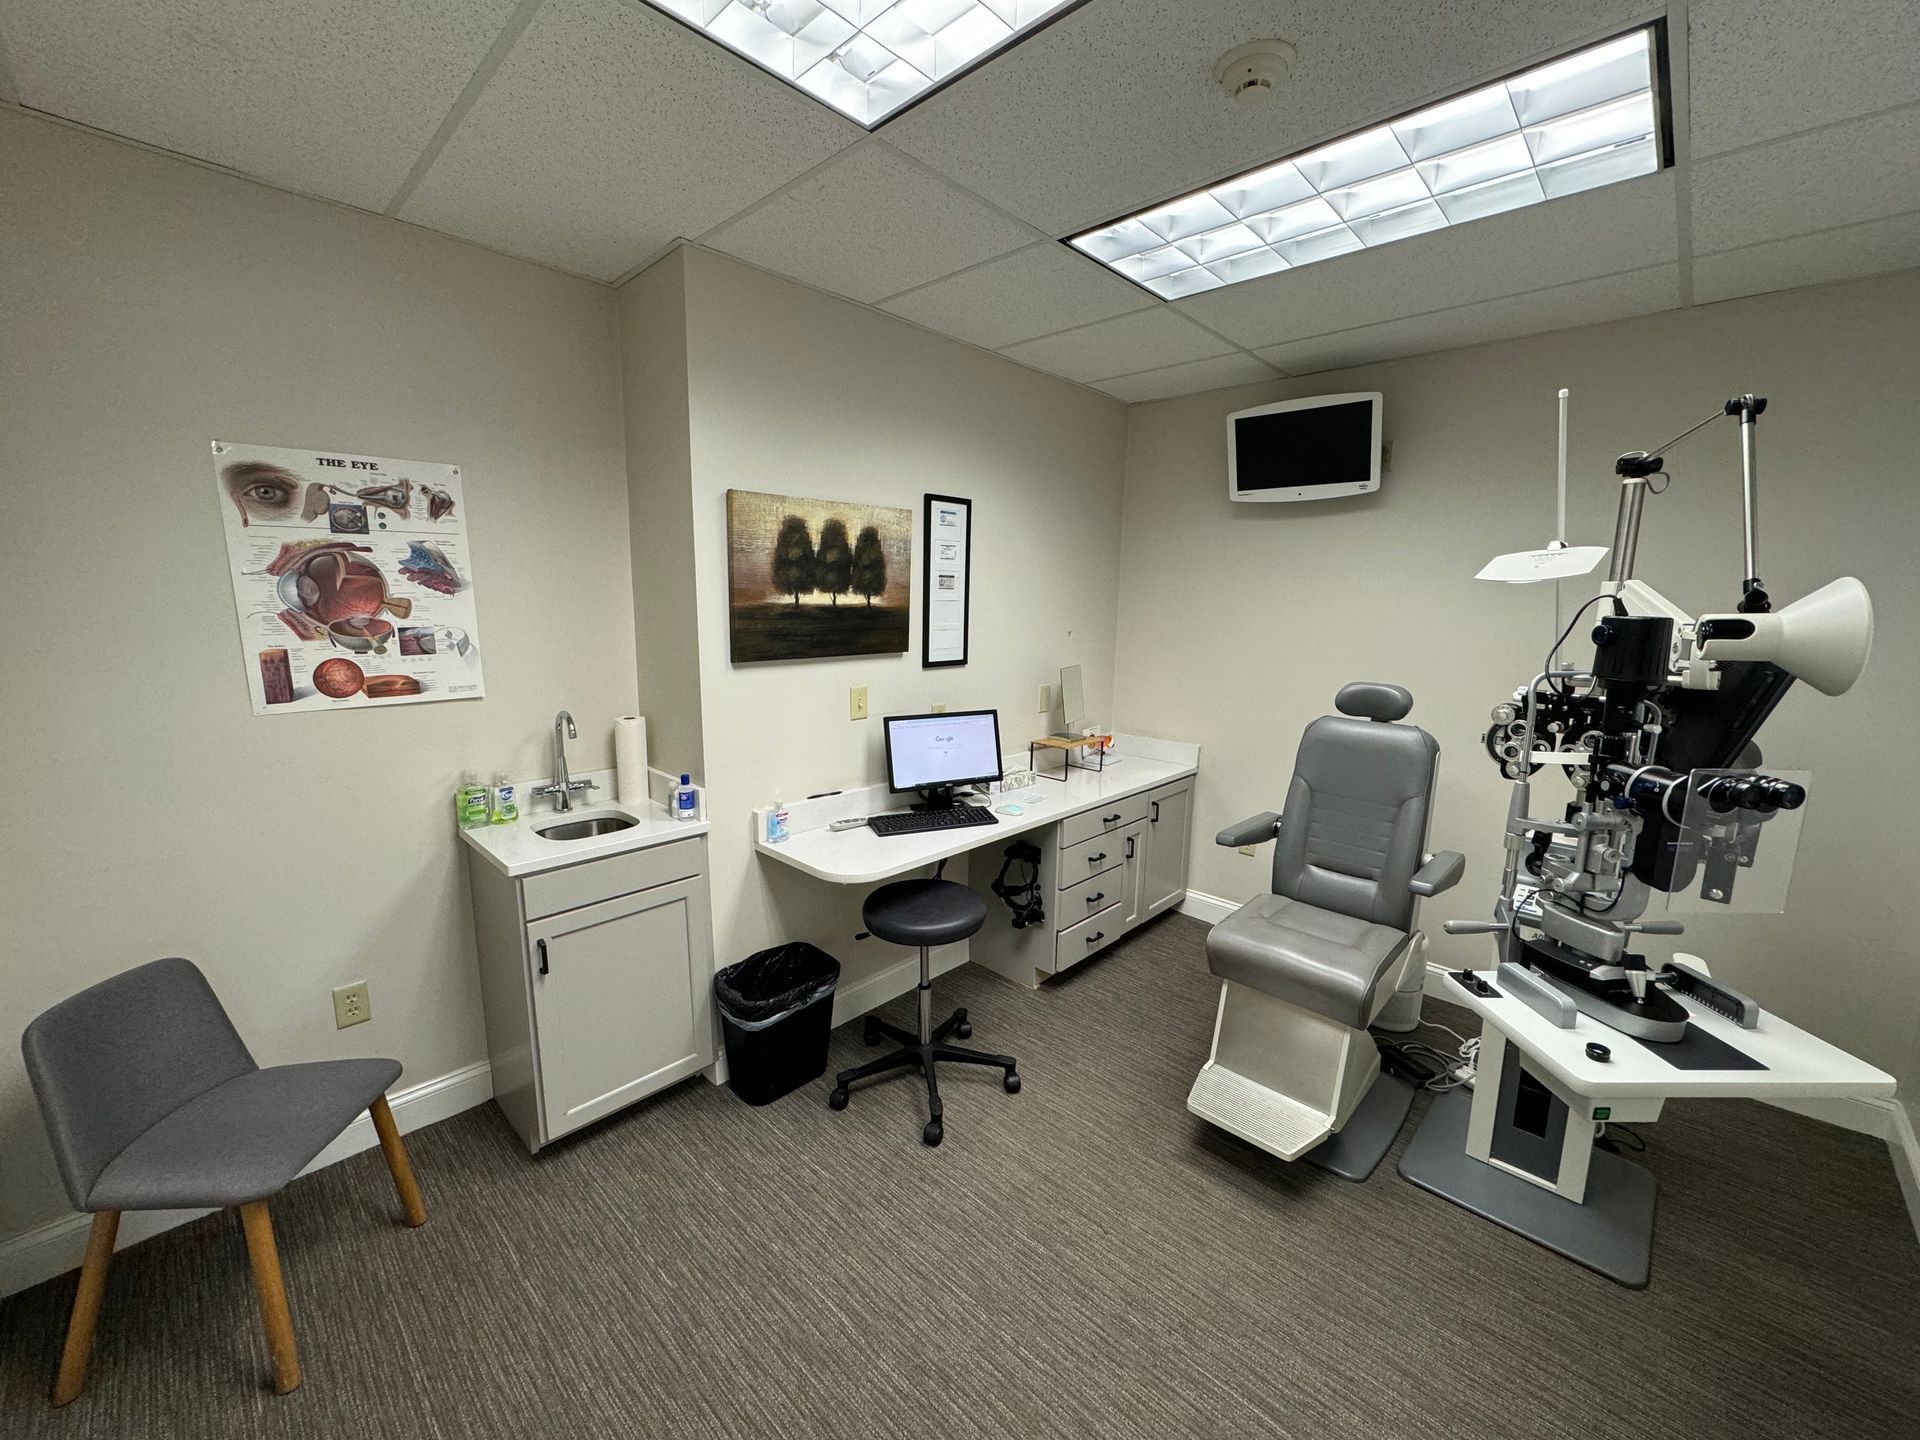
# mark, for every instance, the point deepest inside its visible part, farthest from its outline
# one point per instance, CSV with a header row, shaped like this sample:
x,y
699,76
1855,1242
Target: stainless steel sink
x,y
585,829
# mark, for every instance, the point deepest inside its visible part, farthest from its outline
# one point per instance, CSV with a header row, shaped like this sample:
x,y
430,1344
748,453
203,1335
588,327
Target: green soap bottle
x,y
500,800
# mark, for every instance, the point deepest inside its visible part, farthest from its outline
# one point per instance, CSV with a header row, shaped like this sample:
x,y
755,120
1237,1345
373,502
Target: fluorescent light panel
x,y
866,58
1586,120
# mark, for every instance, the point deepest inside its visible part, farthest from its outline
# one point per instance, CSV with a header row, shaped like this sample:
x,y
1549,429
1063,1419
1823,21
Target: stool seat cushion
x,y
242,1140
1320,960
924,912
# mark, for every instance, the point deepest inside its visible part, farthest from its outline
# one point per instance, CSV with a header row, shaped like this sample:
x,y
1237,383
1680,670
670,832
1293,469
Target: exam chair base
x,y
1357,1149
924,1056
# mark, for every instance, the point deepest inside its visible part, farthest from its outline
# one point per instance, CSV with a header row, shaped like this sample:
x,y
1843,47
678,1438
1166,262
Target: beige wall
x,y
653,353
1239,622
146,307
799,393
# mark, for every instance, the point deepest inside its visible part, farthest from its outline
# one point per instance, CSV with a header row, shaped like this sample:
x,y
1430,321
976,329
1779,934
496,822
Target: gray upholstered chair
x,y
152,1102
1306,969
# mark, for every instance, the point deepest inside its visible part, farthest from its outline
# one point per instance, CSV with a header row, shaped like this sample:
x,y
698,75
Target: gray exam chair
x,y
152,1102
1305,970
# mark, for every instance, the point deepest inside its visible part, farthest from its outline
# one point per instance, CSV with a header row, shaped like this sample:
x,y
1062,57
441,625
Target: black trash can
x,y
776,1014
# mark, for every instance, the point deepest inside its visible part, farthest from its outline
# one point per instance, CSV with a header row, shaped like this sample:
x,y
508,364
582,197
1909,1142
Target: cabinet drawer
x,y
1088,937
552,891
1115,815
1089,858
1087,897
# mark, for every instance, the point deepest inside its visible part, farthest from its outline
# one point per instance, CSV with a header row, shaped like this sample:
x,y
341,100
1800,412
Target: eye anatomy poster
x,y
352,577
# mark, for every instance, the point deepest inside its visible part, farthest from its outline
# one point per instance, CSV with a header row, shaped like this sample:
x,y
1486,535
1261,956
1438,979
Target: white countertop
x,y
856,857
1797,1063
518,849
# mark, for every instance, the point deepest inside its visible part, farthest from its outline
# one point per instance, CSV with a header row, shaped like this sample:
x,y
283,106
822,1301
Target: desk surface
x,y
857,857
1797,1063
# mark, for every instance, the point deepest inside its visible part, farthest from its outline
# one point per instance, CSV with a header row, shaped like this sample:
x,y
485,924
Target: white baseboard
x,y
1210,908
56,1247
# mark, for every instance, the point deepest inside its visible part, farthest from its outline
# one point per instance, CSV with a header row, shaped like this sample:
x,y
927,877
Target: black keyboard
x,y
913,822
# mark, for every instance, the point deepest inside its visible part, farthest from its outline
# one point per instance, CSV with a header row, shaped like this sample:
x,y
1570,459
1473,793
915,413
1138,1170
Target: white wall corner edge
x,y
52,1249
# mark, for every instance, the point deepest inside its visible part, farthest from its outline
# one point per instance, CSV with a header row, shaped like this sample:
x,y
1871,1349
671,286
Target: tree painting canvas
x,y
811,578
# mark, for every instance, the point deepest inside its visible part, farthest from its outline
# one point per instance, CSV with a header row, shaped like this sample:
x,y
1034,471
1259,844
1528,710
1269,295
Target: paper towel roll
x,y
630,758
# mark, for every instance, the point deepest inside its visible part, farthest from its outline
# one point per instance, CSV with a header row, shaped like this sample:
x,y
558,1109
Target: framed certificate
x,y
946,602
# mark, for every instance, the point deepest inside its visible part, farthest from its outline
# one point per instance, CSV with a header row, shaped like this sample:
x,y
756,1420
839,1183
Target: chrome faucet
x,y
562,788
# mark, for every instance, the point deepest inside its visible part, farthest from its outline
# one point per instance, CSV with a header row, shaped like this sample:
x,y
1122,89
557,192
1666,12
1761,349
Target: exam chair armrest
x,y
1251,831
1441,872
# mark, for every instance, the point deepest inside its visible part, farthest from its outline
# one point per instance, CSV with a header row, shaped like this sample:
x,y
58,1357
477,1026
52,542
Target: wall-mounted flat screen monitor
x,y
1321,448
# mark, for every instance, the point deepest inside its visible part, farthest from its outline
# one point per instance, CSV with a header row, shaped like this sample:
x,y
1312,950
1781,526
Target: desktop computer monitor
x,y
934,753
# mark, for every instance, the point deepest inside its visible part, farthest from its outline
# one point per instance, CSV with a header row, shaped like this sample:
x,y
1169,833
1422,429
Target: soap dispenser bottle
x,y
686,801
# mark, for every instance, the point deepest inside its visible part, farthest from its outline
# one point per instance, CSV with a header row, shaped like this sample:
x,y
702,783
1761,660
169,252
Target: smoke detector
x,y
1250,73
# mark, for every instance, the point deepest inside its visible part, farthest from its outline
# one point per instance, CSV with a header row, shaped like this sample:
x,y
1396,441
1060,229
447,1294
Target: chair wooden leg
x,y
86,1307
397,1162
265,1258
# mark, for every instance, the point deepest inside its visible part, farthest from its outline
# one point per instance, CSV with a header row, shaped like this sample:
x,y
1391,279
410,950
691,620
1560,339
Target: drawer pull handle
x,y
1156,812
541,946
1096,859
1109,819
1095,899
1130,847
1096,937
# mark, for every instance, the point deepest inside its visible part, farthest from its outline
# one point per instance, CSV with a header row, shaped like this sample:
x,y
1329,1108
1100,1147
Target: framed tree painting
x,y
947,599
813,578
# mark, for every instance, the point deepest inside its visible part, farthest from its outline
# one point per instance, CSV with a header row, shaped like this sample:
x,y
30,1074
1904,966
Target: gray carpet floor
x,y
1084,1258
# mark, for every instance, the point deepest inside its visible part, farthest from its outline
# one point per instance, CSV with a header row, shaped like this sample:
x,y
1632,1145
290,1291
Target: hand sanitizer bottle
x,y
777,822
470,802
685,800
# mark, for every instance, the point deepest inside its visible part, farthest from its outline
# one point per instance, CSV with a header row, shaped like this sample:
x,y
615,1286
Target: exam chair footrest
x,y
1276,1123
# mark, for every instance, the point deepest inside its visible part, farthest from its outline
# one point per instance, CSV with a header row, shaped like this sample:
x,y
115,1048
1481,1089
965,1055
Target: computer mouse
x,y
1010,810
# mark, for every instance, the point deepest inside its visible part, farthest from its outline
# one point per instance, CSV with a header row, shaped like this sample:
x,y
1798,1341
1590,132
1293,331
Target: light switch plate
x,y
352,1005
857,703
1045,702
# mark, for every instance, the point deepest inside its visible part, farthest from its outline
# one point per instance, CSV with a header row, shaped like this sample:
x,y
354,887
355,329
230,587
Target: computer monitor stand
x,y
935,797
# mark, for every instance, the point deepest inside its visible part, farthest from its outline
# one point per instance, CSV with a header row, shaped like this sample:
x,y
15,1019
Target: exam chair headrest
x,y
1374,700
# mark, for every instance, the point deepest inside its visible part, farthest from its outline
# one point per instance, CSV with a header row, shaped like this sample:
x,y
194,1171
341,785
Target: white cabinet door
x,y
1134,849
1169,828
619,1000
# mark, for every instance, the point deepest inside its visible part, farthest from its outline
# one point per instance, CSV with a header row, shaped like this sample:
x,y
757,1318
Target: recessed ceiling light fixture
x,y
1591,118
868,59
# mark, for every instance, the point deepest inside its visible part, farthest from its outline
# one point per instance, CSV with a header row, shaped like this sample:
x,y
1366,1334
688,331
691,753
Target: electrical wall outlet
x,y
1045,703
938,710
1247,850
857,703
351,1005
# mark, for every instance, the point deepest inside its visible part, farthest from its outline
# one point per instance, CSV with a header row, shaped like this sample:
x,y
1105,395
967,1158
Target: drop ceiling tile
x,y
331,97
612,130
870,225
1873,248
1035,291
1587,302
1189,379
1624,227
1862,170
1143,341
1113,107
1760,69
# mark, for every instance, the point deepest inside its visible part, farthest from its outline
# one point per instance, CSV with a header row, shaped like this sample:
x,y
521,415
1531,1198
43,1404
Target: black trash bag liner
x,y
770,985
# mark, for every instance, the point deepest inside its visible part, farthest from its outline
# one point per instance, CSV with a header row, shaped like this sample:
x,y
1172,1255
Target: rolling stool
x,y
923,913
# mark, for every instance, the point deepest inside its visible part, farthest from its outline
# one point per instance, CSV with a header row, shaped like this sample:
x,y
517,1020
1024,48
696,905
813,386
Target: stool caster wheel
x,y
1011,1082
838,1099
934,1133
963,1031
874,1036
